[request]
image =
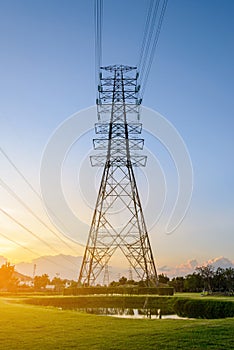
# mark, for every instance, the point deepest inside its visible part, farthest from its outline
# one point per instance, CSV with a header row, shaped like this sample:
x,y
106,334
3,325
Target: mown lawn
x,y
200,296
36,327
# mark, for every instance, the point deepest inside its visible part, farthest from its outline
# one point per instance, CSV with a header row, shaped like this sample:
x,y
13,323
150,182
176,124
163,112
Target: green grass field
x,y
37,327
200,296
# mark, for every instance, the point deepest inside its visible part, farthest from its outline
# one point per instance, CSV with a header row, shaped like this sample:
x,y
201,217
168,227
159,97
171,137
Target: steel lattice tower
x,y
118,198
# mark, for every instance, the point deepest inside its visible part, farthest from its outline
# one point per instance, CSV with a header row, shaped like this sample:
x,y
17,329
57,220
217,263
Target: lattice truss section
x,y
118,221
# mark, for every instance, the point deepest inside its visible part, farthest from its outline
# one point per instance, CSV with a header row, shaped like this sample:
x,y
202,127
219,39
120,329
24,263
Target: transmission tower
x,y
106,277
118,221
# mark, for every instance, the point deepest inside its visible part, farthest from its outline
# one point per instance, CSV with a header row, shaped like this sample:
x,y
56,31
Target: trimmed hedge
x,y
197,308
120,290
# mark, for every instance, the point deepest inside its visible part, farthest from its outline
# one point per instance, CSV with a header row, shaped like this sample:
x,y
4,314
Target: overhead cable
x,y
152,30
31,251
148,32
31,187
13,194
32,233
98,15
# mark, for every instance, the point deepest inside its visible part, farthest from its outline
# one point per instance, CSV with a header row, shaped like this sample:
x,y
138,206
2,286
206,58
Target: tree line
x,y
9,281
203,279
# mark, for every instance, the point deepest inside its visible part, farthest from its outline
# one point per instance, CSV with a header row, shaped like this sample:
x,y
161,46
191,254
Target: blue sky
x,y
48,73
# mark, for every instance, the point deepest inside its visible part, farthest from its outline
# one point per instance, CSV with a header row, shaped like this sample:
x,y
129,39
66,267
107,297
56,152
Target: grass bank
x,y
30,327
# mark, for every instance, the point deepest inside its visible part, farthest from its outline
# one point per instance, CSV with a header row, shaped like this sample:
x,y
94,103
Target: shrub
x,y
204,308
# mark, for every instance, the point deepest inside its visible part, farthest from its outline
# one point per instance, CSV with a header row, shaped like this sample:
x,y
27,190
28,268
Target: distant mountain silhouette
x,y
63,266
68,267
22,277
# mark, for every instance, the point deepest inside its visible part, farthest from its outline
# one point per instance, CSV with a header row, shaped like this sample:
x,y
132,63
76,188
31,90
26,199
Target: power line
x,y
152,53
98,16
152,30
32,233
148,32
13,194
154,19
145,34
31,251
20,173
29,185
19,244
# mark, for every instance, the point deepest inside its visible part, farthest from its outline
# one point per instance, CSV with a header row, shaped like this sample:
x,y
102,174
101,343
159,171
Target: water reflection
x,y
130,313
